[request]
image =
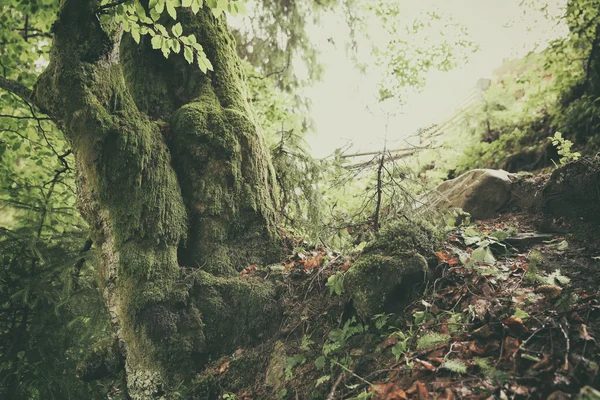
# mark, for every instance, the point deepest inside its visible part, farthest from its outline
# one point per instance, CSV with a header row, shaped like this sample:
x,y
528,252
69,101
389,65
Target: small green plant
x,y
564,148
520,314
335,283
432,340
489,371
455,366
381,320
401,347
291,363
337,337
532,275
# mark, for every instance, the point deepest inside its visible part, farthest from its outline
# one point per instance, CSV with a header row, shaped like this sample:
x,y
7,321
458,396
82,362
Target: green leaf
x,y
322,380
162,29
335,283
160,7
196,6
135,33
188,54
500,235
165,48
157,42
176,46
399,349
483,254
177,30
155,15
171,9
152,4
320,362
241,7
520,314
186,3
139,9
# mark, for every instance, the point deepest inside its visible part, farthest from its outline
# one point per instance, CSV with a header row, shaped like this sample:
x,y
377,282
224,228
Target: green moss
x,y
102,360
132,192
374,279
390,264
406,236
235,311
224,174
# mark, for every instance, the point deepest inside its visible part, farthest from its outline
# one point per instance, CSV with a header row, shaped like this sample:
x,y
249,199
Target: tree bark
x,y
176,184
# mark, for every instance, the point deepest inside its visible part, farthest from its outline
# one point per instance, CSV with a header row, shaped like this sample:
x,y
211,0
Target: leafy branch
x,y
138,22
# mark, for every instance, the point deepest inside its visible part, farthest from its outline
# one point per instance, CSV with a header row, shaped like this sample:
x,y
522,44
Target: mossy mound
x,y
572,191
406,236
376,280
390,265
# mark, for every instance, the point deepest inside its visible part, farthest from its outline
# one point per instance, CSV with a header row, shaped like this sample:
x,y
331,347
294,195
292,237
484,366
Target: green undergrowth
x,y
478,318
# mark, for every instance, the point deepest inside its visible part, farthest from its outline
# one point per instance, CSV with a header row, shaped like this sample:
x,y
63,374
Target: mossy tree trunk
x,y
176,184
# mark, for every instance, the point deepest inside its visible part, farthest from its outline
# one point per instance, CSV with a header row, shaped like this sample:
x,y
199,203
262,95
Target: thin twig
x,y
565,366
334,387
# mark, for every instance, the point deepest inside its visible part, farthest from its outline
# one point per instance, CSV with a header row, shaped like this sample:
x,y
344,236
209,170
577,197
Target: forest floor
x,y
509,313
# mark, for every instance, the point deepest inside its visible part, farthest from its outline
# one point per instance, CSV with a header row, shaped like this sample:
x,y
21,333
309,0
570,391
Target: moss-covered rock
x,y
406,236
573,191
390,265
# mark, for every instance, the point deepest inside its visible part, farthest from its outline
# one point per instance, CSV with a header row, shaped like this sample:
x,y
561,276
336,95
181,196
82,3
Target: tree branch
x,y
15,87
102,9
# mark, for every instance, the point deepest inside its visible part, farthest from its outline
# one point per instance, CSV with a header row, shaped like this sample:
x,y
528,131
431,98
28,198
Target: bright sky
x,y
341,102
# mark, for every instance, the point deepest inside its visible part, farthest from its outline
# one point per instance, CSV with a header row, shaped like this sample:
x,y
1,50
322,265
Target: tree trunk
x,y
176,184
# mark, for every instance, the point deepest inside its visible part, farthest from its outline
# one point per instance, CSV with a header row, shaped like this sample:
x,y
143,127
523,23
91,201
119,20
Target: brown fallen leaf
x,y
549,291
483,332
515,326
239,352
511,345
448,395
313,262
519,389
420,390
391,341
389,391
346,266
427,365
446,256
224,367
545,364
583,333
559,395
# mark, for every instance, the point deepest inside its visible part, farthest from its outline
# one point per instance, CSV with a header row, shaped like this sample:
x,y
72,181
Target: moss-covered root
x,y
376,280
236,312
